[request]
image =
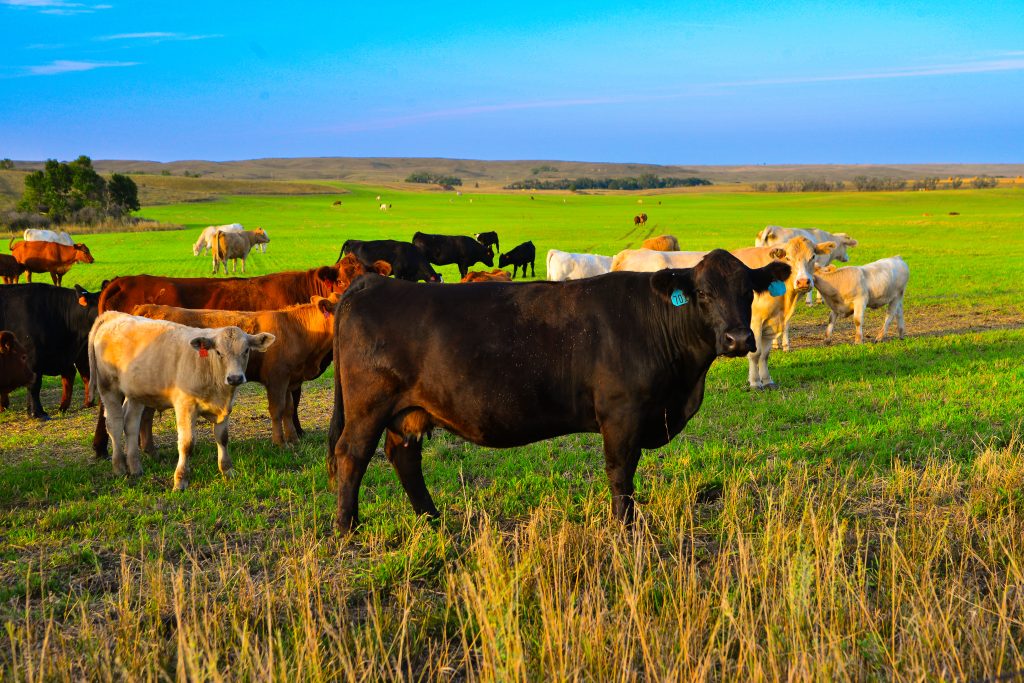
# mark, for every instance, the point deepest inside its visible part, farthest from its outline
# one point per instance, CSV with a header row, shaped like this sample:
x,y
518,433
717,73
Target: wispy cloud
x,y
63,66
157,36
57,7
1010,62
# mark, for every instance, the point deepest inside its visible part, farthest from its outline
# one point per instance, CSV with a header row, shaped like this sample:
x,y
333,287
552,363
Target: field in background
x,y
862,521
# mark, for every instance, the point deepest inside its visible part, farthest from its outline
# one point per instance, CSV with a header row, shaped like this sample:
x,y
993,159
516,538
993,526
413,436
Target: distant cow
x,y
15,366
443,250
564,265
205,241
640,220
649,260
661,243
10,269
519,257
385,207
851,290
406,260
496,275
303,332
488,239
624,354
49,257
52,323
139,363
770,314
235,246
58,237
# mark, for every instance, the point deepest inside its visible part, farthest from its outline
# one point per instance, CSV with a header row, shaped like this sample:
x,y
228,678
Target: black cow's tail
x,y
346,248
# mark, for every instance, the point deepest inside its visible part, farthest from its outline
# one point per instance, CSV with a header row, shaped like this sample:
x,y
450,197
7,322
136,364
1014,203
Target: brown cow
x,y
661,243
496,275
49,257
232,246
15,368
10,269
265,293
304,334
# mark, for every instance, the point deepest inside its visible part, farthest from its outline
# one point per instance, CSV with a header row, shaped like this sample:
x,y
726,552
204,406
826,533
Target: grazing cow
x,y
303,332
853,289
443,250
49,257
15,367
636,220
385,207
771,310
496,275
58,237
661,243
206,238
10,269
52,323
140,363
649,261
268,292
234,246
488,239
564,265
336,202
406,260
519,257
624,354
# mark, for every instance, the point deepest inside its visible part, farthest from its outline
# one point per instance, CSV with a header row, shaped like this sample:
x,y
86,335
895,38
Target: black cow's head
x,y
721,288
90,299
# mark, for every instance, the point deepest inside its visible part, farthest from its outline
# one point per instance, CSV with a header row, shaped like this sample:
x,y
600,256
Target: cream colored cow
x,y
851,290
650,260
564,265
138,363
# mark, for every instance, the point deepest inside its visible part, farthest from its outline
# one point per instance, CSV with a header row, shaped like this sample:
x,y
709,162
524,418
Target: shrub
x,y
16,221
983,182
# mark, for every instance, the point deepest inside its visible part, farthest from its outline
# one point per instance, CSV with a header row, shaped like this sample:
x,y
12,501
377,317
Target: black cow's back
x,y
49,321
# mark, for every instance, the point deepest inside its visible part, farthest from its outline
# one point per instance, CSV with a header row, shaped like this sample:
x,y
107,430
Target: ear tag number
x,y
203,353
678,298
777,288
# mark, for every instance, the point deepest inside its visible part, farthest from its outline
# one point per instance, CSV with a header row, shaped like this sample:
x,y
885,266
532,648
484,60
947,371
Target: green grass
x,y
864,521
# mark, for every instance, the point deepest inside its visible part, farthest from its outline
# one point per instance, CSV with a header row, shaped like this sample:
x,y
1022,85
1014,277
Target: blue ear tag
x,y
678,298
777,288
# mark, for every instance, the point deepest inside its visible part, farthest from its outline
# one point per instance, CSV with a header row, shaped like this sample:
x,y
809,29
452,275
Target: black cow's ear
x,y
763,277
667,281
79,290
104,285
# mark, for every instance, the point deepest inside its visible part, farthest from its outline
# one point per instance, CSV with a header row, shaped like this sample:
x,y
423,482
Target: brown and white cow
x,y
15,366
770,313
49,257
851,290
138,363
235,246
304,334
661,243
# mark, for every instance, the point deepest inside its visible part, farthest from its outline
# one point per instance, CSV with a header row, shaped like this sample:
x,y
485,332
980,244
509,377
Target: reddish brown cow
x,y
49,257
304,334
496,275
15,369
265,293
10,269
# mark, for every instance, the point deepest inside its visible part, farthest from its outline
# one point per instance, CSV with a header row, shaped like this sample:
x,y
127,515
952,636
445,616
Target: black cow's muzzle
x,y
737,343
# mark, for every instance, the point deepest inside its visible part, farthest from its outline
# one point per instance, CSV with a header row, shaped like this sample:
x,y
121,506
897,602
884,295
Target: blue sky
x,y
659,82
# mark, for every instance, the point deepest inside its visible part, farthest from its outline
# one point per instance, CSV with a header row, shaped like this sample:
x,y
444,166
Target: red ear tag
x,y
82,301
203,353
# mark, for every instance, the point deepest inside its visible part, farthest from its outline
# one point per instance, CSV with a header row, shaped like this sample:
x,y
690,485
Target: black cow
x,y
489,239
406,261
15,366
523,255
52,323
623,354
442,250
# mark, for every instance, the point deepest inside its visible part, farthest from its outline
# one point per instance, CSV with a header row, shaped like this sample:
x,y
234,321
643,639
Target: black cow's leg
x,y
146,432
67,388
100,438
5,401
407,459
35,405
621,457
533,267
352,455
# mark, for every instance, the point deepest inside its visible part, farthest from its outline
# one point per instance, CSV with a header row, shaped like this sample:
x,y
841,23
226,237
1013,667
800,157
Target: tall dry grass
x,y
805,572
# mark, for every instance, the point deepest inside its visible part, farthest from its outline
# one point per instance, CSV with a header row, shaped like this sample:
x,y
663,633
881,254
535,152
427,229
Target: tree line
x,y
874,184
647,181
426,177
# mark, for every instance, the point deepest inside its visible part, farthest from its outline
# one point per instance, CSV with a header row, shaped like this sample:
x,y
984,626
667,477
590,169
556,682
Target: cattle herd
x,y
616,345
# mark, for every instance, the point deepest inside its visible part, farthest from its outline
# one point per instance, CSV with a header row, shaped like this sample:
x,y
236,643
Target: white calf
x,y
563,265
851,290
650,260
205,240
36,235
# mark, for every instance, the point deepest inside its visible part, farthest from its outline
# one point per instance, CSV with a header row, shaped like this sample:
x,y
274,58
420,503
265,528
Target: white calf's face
x,y
227,350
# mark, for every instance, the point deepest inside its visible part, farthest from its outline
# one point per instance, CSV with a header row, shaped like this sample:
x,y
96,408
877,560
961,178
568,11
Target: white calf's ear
x,y
261,342
824,248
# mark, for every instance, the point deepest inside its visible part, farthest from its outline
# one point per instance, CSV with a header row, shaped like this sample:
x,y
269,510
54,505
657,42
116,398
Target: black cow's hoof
x,y
42,417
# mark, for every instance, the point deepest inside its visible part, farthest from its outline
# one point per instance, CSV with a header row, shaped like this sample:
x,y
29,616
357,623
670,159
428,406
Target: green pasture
x,y
911,449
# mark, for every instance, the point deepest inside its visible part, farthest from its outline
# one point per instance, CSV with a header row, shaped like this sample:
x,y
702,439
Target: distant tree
x,y
6,165
956,183
123,193
983,182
